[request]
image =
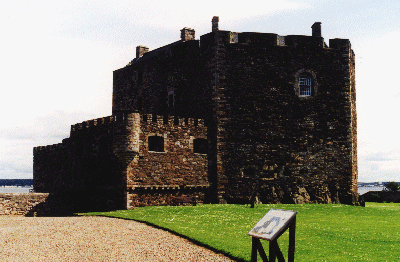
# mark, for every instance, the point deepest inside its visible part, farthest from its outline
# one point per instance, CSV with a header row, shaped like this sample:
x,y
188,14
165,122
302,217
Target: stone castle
x,y
229,117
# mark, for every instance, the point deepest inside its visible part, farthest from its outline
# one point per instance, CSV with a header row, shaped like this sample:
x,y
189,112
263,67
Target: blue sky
x,y
57,59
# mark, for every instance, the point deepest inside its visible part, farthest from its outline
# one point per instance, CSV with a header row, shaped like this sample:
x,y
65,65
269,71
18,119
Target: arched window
x,y
200,146
156,143
305,85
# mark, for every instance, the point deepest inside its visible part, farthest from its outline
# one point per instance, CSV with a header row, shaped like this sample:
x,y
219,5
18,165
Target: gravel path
x,y
93,239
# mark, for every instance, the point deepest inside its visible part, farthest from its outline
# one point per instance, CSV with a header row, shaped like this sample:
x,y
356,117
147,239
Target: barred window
x,y
305,86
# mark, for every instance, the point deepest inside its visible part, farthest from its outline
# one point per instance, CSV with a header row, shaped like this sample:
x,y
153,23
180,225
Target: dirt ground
x,y
93,239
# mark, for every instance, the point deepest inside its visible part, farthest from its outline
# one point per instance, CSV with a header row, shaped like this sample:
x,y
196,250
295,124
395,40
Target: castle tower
x,y
126,142
126,136
284,117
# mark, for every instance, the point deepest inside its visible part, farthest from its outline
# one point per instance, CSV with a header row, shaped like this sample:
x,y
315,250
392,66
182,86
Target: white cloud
x,y
15,159
58,56
172,14
378,104
378,100
380,166
61,74
17,142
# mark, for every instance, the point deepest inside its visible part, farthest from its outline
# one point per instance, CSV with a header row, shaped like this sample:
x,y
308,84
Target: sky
x,y
57,60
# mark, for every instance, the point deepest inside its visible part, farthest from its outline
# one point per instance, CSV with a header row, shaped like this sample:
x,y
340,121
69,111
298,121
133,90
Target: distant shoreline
x,y
364,189
15,189
26,189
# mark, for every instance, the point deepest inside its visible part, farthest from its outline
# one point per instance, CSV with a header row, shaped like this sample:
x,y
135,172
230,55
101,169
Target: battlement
x,y
168,187
315,40
170,120
339,43
256,38
187,44
270,39
47,148
104,121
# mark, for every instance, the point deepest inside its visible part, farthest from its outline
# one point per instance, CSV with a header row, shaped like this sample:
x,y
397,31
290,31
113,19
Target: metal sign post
x,y
270,228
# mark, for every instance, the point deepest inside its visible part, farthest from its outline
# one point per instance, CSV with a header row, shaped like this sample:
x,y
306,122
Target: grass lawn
x,y
323,232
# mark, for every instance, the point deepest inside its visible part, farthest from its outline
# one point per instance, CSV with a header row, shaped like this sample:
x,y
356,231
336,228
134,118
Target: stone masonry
x,y
20,204
219,119
110,162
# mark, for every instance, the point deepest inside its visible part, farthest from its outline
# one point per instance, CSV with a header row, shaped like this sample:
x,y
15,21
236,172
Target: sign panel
x,y
272,224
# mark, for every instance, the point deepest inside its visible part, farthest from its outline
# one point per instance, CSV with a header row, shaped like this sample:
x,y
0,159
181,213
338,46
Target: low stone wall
x,y
382,196
166,196
20,204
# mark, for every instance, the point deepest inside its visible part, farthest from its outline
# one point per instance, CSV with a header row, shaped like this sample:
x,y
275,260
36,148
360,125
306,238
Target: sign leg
x,y
278,252
292,241
257,246
272,251
254,245
262,252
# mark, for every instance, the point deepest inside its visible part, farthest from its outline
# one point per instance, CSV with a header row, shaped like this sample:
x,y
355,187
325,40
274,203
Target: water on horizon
x,y
364,189
361,190
13,189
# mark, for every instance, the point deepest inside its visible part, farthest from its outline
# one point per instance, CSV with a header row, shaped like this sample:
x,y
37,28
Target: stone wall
x,y
105,160
176,164
263,136
382,196
164,195
82,165
291,148
22,204
84,161
173,80
56,204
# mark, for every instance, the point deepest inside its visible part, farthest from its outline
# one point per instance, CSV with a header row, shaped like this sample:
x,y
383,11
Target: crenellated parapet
x,y
48,148
171,121
94,123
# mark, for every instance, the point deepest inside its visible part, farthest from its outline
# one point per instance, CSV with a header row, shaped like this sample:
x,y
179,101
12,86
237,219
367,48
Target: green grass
x,y
323,232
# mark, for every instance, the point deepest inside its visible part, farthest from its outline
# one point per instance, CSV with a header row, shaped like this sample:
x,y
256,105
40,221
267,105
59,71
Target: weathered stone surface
x,y
264,133
382,196
112,155
20,204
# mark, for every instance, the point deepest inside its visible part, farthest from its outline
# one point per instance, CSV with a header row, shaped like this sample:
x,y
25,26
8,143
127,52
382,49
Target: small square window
x,y
156,143
249,171
200,146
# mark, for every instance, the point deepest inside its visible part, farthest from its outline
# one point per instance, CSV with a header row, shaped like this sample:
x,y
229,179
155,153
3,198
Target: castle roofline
x,y
188,35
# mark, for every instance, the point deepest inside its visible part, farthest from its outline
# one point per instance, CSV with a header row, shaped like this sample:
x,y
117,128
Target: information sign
x,y
272,224
270,228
